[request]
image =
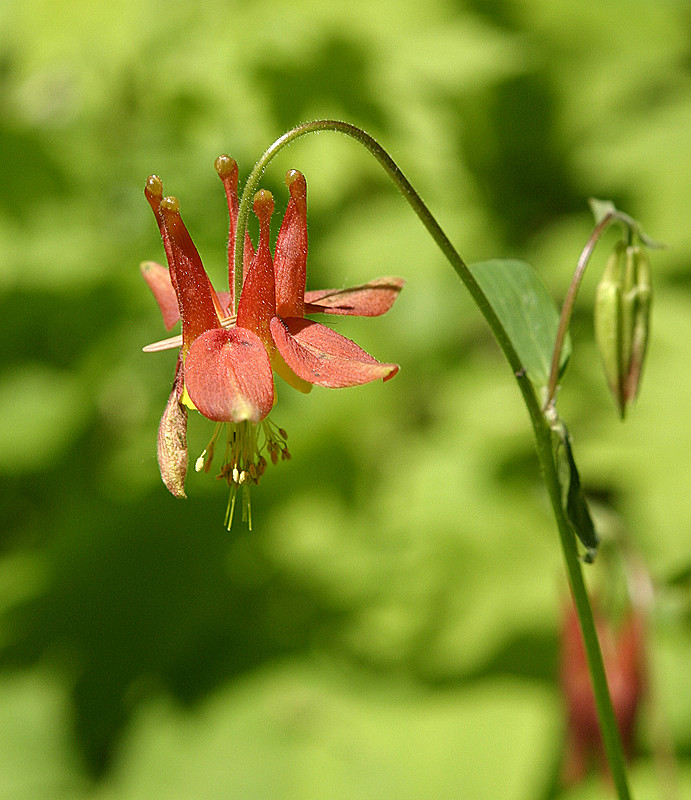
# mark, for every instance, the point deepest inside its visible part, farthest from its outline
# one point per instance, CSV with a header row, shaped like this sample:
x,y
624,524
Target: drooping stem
x,y
540,424
631,228
410,195
569,302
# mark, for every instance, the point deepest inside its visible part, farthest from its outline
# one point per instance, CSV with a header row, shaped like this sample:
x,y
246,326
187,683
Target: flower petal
x,y
258,300
200,308
157,278
290,260
228,376
368,300
172,440
319,355
227,170
225,301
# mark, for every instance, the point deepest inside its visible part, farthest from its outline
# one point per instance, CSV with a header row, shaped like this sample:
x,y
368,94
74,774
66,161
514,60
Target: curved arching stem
x,y
539,421
569,302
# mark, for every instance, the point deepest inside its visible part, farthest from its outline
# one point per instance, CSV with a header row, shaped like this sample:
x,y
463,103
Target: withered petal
x,y
172,440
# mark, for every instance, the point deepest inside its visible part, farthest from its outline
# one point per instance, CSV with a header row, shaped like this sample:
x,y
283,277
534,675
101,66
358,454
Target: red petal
x,y
258,300
197,297
158,280
224,300
228,376
227,169
290,261
319,355
368,300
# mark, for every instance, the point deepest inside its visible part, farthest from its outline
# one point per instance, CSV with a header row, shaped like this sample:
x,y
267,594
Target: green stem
x,y
410,195
541,427
569,302
608,723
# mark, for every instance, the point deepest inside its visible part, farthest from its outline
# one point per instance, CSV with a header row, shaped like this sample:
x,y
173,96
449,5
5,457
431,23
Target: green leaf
x,y
528,313
573,498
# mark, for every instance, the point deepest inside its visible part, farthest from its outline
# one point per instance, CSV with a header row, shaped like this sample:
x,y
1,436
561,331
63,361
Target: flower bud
x,y
622,319
640,299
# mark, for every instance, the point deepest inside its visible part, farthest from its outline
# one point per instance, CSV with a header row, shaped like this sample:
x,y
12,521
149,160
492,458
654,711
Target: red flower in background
x,y
624,659
226,362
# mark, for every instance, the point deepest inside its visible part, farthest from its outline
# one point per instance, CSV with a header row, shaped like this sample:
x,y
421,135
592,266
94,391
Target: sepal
x,y
622,321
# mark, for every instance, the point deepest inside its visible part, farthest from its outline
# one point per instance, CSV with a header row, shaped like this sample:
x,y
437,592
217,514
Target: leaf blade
x,y
528,313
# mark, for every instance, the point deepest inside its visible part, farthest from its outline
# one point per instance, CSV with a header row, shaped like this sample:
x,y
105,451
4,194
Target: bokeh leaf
x,y
302,728
525,308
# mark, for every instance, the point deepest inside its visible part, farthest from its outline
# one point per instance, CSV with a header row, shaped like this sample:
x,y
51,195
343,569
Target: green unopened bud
x,y
608,325
642,295
622,320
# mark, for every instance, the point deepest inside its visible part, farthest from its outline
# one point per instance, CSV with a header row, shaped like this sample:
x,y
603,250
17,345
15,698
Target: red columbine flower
x,y
225,365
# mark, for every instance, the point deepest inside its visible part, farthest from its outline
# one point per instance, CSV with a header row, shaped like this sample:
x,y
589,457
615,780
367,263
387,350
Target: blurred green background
x,y
390,627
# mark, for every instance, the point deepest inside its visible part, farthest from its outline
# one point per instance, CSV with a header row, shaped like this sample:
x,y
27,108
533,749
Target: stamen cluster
x,y
244,462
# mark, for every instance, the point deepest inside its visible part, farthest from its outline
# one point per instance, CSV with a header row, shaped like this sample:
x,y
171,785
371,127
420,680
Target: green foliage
x,y
390,626
527,312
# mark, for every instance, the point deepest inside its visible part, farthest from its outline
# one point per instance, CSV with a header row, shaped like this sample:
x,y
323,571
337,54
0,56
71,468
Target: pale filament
x,y
176,341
